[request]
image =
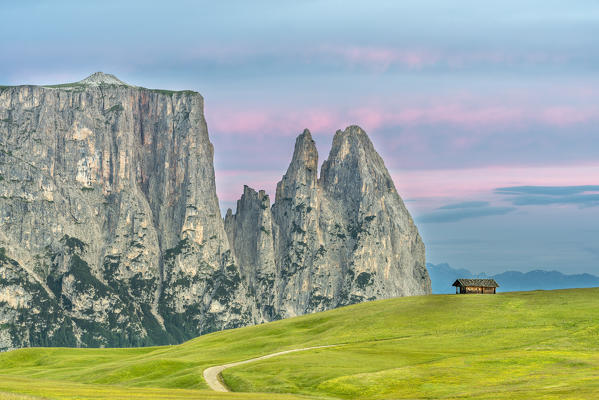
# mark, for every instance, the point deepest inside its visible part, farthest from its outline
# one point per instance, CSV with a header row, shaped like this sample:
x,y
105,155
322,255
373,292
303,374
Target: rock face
x,y
110,224
341,239
111,233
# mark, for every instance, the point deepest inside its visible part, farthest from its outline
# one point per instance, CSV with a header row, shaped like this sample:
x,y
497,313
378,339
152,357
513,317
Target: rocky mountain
x,y
343,238
443,275
111,233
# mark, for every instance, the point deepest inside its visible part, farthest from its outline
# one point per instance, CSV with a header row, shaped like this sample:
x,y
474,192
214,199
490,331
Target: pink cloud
x,y
454,114
240,121
375,58
380,59
555,105
260,122
568,115
436,187
490,117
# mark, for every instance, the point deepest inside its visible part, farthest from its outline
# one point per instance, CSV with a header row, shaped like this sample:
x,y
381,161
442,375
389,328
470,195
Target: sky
x,y
486,113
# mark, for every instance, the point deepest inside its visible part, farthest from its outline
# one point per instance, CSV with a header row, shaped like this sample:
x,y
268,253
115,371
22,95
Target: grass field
x,y
508,346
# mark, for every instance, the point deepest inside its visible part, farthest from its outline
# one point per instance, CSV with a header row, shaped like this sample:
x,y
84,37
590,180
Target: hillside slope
x,y
507,346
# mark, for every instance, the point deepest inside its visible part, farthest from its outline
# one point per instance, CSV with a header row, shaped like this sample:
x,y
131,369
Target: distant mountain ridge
x,y
443,275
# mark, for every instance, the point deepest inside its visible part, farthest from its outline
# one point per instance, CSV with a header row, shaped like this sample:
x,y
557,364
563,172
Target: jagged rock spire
x,y
305,152
345,238
303,169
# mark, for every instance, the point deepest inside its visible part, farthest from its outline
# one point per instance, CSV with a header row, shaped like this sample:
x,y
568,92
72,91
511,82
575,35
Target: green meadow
x,y
524,345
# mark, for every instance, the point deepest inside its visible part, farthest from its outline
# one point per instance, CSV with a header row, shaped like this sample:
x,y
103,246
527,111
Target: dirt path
x,y
213,378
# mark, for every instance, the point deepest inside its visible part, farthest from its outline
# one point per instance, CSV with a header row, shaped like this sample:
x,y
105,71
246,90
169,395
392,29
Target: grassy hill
x,y
517,345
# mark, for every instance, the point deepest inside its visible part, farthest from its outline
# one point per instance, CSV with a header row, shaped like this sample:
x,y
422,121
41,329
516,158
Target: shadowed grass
x,y
512,345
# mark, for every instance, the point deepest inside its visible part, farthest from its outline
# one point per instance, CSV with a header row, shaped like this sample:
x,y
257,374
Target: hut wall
x,y
474,289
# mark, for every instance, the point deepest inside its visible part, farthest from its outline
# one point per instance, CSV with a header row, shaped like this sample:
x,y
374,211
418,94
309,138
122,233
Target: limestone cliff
x,y
109,215
111,233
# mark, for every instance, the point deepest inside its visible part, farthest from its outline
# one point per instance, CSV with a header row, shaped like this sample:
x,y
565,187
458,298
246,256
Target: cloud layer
x,y
584,196
465,210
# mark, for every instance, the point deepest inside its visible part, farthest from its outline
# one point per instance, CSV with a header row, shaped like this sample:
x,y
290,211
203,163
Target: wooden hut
x,y
476,286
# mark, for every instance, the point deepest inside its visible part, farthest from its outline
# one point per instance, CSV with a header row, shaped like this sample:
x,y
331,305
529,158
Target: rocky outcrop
x,y
344,238
111,233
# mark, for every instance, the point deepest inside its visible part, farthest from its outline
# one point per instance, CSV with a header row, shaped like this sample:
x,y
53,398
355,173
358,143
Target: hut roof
x,y
476,282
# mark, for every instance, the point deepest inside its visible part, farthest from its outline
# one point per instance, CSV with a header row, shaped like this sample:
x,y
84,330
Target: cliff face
x,y
111,233
110,218
344,238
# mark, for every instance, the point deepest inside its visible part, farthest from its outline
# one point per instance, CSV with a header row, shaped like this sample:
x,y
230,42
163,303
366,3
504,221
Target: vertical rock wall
x,y
108,208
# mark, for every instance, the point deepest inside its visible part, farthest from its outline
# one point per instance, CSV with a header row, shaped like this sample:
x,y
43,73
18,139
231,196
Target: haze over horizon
x,y
488,123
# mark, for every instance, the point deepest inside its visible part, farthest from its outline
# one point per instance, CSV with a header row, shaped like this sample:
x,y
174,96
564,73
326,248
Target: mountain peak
x,y
353,134
100,78
306,134
302,170
352,143
353,130
305,151
354,168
